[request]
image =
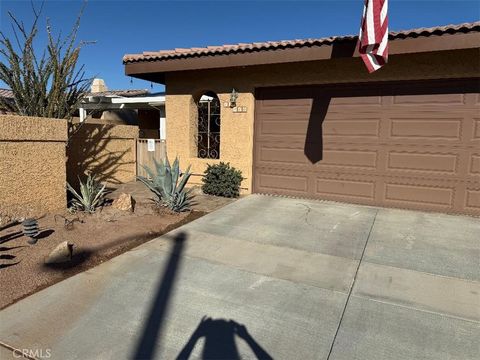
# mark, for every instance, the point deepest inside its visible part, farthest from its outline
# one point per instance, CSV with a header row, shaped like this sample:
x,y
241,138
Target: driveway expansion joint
x,y
351,286
417,309
238,268
470,281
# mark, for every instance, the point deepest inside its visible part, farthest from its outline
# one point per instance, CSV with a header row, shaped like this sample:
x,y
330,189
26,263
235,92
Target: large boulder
x,y
124,202
63,252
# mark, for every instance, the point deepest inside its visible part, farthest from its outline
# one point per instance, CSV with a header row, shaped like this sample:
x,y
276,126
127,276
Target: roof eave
x,y
154,70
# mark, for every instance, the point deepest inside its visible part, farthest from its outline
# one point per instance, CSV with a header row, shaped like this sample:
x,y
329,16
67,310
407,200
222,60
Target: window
x,y
208,134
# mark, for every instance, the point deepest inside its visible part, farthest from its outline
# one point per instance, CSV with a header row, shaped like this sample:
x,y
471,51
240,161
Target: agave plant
x,y
92,195
168,185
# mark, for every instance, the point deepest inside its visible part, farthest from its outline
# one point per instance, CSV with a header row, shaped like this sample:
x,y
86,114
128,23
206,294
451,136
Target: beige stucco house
x,y
306,119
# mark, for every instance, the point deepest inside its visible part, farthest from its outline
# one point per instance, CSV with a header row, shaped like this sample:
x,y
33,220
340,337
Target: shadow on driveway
x,y
146,346
219,334
220,343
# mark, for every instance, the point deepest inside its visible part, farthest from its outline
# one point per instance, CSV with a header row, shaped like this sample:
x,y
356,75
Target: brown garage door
x,y
411,145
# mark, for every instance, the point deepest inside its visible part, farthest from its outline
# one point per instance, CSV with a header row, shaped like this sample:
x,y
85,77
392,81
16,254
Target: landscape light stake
x,y
30,229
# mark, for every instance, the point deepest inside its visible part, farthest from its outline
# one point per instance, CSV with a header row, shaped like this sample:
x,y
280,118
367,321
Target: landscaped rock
x,y
62,253
124,202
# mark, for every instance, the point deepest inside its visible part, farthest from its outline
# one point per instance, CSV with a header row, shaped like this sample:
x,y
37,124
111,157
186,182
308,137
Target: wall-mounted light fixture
x,y
233,98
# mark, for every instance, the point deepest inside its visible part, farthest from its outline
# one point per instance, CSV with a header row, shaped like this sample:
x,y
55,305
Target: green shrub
x,y
164,183
91,196
222,180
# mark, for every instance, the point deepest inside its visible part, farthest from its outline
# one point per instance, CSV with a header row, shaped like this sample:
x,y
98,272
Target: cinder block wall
x,y
32,165
106,150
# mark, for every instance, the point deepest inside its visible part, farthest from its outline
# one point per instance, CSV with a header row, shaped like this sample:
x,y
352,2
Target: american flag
x,y
373,37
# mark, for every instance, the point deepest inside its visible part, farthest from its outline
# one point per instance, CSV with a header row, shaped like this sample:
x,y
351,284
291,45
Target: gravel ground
x,y
96,238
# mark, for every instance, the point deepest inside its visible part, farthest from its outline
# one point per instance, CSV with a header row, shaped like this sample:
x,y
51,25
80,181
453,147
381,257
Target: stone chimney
x,y
98,85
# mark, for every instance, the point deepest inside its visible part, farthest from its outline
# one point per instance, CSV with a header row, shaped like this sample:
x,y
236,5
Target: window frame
x,y
207,140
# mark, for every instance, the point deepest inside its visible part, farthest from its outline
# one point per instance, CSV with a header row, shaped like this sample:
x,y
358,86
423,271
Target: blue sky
x,y
121,26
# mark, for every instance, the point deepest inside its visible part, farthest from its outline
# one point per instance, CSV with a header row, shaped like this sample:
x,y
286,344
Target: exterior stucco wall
x,y
106,150
32,165
236,133
237,128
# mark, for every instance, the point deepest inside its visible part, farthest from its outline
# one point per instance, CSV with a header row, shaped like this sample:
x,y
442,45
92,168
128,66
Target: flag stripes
x,y
373,36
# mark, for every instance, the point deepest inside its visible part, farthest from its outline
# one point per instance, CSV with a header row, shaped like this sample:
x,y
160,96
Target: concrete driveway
x,y
269,277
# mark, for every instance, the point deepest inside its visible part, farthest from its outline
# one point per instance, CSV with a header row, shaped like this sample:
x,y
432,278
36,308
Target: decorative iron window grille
x,y
208,135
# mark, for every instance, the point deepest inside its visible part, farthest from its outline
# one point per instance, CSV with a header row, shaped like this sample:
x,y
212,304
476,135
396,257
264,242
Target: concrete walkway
x,y
269,277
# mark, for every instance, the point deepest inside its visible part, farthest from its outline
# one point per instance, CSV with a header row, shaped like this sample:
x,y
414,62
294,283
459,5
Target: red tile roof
x,y
285,44
8,94
123,93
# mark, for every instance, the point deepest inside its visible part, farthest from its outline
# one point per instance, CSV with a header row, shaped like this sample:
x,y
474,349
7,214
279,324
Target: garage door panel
x,y
350,158
279,155
323,185
474,169
438,99
279,183
413,194
473,200
293,127
424,162
334,128
361,101
277,104
409,150
272,154
436,163
427,128
286,111
476,130
342,189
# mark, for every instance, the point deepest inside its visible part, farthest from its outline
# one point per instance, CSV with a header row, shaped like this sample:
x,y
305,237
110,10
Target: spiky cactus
x,y
92,195
168,185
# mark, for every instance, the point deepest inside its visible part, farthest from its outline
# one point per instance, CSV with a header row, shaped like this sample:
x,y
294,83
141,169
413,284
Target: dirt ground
x,y
96,238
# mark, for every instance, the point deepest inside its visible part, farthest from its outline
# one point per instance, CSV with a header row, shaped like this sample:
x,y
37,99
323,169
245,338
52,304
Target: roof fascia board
x,y
324,52
139,100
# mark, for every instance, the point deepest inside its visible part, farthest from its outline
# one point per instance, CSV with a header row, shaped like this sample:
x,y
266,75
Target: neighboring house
x,y
310,121
7,96
128,107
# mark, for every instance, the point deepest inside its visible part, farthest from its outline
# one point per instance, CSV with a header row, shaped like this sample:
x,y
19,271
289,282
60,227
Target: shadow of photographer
x,y
219,335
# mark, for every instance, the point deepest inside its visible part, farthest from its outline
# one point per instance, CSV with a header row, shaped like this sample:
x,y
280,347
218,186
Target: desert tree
x,y
46,81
